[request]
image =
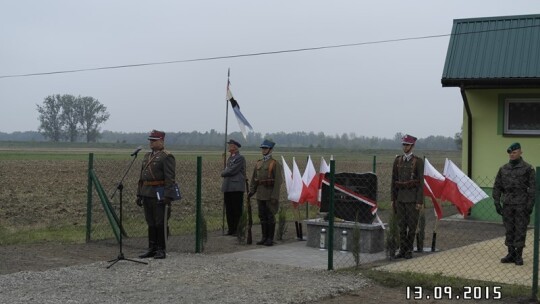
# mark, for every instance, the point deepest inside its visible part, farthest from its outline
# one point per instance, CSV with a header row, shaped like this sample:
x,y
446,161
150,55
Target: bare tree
x,y
50,118
69,117
91,113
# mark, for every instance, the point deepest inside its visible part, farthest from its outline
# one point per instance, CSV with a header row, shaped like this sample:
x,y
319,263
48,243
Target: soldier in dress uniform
x,y
266,183
234,185
515,187
155,192
407,194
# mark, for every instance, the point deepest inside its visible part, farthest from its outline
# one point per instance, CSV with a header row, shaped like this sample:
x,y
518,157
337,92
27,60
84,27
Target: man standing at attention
x,y
515,185
266,183
407,194
234,186
155,193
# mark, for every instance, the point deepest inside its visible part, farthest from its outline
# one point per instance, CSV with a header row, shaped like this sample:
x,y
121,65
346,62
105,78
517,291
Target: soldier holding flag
x,y
234,185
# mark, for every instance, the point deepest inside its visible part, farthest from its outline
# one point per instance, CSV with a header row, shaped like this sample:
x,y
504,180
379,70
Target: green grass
x,y
135,227
60,234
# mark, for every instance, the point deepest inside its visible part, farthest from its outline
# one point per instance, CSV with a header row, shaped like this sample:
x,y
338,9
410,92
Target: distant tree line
x,y
215,139
78,119
69,118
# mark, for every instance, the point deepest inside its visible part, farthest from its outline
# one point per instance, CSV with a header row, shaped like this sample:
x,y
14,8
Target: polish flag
x,y
323,169
459,189
287,173
296,186
311,184
433,186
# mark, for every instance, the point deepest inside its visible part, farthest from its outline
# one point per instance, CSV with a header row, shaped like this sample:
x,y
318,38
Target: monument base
x,y
371,236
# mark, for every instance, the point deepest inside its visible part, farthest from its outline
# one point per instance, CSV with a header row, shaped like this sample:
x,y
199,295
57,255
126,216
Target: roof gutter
x,y
469,130
483,83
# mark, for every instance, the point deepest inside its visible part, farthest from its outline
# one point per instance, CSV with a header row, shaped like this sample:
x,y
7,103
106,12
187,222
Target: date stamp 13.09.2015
x,y
452,293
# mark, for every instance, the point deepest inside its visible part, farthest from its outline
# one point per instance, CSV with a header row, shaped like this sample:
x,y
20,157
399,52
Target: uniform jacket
x,y
265,182
234,174
517,183
408,180
158,170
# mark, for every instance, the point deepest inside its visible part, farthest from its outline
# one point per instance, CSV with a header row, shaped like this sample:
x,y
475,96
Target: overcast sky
x,y
372,89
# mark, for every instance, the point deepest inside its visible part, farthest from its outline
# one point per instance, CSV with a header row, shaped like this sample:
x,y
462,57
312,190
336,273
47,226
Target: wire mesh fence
x,y
468,246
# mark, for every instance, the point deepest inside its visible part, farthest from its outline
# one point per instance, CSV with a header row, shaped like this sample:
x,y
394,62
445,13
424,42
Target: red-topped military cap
x,y
155,134
408,139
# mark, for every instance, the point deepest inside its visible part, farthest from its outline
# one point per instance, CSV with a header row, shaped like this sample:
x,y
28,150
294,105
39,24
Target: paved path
x,y
299,255
480,261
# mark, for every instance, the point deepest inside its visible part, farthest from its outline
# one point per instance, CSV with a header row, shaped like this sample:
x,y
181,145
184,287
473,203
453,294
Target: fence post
x,y
536,236
109,211
374,163
89,197
331,218
198,220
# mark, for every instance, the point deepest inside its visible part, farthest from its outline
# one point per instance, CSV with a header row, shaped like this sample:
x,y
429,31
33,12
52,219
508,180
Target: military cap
x,y
513,147
408,139
155,134
234,142
267,144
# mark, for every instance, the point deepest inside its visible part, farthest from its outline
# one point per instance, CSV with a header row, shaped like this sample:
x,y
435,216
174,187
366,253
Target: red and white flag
x,y
295,190
310,184
433,186
287,173
459,189
323,169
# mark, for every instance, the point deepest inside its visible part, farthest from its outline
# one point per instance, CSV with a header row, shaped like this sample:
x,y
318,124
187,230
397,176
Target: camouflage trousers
x,y
515,219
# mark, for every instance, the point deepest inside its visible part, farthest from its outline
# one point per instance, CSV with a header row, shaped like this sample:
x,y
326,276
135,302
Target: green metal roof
x,y
494,51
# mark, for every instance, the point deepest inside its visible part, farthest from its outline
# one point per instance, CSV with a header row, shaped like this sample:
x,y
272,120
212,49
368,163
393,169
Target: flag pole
x,y
226,119
434,236
225,148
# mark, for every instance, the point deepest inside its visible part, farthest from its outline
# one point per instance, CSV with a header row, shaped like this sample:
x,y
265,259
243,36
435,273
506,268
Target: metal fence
x,y
456,246
463,246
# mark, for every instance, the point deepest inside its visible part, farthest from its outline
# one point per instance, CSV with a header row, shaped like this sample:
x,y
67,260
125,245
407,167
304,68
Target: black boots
x,y
264,234
161,242
403,255
148,254
515,255
156,243
160,254
271,228
511,256
267,238
519,259
152,244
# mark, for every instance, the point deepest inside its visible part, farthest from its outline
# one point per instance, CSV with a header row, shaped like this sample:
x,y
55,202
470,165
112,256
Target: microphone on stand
x,y
139,148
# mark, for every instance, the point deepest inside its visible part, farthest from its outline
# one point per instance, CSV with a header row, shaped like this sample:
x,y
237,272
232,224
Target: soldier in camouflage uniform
x,y
407,194
158,174
515,187
266,183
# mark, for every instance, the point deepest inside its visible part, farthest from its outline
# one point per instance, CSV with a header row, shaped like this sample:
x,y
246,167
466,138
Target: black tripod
x,y
120,187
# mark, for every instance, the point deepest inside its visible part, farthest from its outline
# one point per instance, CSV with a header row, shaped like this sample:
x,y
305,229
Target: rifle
x,y
249,240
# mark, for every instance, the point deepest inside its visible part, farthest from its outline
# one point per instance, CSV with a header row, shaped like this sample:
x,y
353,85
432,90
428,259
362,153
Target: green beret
x,y
513,147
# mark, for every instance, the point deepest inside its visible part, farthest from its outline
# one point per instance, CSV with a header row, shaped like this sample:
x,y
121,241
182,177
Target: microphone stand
x,y
120,187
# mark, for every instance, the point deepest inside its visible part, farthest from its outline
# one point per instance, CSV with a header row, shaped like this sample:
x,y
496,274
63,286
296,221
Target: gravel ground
x,y
181,278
